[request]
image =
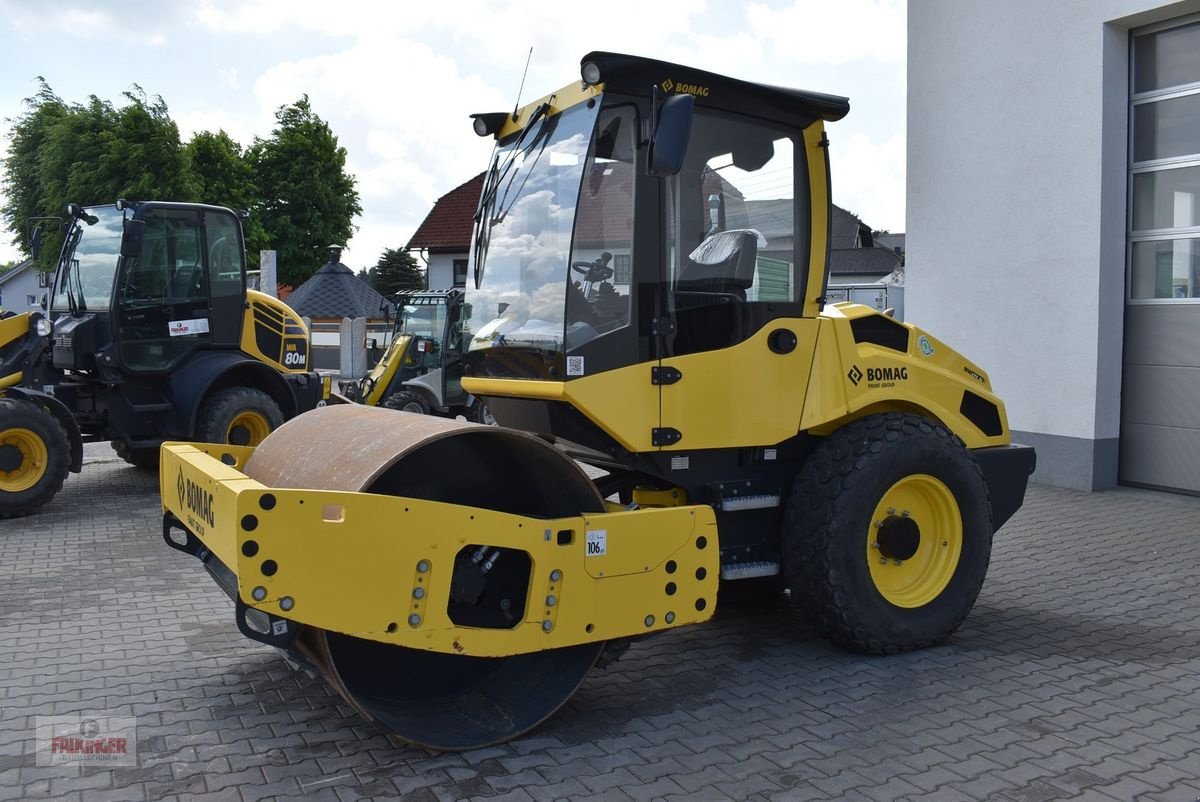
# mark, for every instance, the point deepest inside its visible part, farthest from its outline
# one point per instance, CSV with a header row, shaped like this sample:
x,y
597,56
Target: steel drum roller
x,y
429,699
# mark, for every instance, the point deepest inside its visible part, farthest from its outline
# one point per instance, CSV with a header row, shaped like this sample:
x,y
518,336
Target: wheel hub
x,y
898,538
10,458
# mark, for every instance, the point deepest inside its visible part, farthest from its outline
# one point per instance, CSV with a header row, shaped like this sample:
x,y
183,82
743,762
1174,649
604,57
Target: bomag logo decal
x,y
684,89
195,498
887,374
878,377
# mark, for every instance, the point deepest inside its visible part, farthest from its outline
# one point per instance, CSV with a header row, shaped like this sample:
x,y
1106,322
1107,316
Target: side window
x,y
602,249
731,233
460,272
224,255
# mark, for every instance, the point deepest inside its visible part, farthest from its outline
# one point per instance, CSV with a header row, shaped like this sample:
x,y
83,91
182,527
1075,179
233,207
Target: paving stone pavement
x,y
1077,676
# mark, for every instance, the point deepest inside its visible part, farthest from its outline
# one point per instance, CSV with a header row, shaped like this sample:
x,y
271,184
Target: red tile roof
x,y
448,225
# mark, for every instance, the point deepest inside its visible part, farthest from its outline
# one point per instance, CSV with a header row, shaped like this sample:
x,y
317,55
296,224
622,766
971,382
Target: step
x,y
757,501
750,570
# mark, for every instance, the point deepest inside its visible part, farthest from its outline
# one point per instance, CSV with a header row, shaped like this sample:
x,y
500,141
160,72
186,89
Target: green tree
x,y
396,270
223,176
307,199
89,153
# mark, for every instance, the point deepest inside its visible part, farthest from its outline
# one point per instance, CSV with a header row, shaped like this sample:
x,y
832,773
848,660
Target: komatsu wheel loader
x,y
150,335
421,369
650,260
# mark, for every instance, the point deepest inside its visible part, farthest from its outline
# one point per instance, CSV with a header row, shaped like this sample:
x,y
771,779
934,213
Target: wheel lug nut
x,y
875,545
904,514
899,562
891,510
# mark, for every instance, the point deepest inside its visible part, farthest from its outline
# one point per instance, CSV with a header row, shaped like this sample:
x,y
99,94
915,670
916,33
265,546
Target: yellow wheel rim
x,y
915,541
34,459
248,428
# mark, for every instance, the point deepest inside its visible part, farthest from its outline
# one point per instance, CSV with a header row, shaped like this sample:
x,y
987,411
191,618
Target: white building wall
x,y
440,275
1017,126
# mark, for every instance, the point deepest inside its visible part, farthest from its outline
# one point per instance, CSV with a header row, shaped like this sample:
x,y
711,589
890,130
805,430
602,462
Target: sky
x,y
397,81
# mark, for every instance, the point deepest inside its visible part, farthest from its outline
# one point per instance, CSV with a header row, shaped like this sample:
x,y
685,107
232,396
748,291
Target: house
x,y
23,288
443,240
1053,205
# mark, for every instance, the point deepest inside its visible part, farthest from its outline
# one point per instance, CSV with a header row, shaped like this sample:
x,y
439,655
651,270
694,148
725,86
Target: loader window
x,y
91,263
163,294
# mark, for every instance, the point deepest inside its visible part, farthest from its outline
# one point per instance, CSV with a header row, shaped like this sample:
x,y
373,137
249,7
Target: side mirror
x,y
672,128
35,242
370,343
131,241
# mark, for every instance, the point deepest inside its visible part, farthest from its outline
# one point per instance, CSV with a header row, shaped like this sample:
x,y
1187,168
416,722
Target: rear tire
x,y
239,416
144,458
407,401
888,534
34,457
478,412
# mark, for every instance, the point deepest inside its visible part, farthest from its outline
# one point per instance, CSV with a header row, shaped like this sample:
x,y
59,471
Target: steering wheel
x,y
593,271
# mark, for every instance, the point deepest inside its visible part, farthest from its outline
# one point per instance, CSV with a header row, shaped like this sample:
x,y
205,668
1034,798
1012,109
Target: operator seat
x,y
723,263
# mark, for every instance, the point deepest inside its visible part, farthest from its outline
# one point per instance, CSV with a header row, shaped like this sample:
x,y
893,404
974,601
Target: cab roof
x,y
635,75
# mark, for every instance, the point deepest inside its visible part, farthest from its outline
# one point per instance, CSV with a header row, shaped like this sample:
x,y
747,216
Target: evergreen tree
x,y
396,270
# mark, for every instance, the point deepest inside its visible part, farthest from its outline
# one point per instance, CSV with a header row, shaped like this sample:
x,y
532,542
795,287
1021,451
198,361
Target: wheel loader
x,y
150,335
421,369
456,582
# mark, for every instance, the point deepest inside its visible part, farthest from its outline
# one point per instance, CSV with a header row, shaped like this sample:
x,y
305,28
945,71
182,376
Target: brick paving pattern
x,y
1077,676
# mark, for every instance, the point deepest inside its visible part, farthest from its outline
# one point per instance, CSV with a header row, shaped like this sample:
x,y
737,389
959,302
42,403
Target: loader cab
x,y
589,256
140,286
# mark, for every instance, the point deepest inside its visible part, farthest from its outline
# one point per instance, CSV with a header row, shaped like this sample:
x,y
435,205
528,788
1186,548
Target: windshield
x,y
89,260
424,318
523,240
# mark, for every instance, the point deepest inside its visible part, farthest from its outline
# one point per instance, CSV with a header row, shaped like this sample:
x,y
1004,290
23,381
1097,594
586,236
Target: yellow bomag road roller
x,y
649,262
150,334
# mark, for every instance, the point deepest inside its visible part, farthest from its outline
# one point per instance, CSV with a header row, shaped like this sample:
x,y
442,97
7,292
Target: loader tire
x,y
239,416
478,412
145,458
888,534
407,401
34,457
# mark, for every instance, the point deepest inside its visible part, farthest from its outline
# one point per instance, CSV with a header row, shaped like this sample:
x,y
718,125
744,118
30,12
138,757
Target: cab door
x,y
162,302
737,351
185,291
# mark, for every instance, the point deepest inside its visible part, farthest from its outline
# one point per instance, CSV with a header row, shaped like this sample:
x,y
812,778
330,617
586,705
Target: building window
x,y
622,268
1164,154
31,300
460,272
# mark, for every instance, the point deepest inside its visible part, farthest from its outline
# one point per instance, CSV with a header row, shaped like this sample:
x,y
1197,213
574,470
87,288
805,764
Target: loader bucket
x,y
441,701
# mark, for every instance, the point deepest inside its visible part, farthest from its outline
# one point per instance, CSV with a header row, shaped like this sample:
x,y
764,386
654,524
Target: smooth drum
x,y
435,700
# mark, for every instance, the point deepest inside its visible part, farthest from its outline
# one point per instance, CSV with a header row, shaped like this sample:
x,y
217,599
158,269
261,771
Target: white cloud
x,y
868,179
833,33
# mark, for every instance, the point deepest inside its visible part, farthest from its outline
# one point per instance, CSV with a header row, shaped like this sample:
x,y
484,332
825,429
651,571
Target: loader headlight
x,y
43,327
590,72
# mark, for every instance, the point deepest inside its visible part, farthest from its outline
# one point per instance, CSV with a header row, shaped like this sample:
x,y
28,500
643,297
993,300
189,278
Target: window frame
x,y
1135,168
